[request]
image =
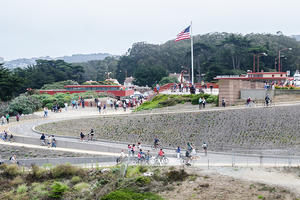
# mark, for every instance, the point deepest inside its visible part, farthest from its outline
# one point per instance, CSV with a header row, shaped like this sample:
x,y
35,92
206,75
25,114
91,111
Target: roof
x,y
87,86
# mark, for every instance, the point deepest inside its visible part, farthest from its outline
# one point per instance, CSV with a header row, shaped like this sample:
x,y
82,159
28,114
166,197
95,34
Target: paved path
x,y
24,128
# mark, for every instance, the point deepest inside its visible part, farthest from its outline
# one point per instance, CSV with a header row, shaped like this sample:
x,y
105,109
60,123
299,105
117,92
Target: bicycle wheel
x,y
165,160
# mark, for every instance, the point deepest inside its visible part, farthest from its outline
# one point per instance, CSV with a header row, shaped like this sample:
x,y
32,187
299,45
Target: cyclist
x,y
267,100
121,157
141,156
156,141
204,146
161,155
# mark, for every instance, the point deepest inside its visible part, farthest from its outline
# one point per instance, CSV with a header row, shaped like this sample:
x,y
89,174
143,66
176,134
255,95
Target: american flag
x,y
185,34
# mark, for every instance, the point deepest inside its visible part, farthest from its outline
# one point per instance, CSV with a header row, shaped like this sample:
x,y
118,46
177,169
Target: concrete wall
x,y
257,94
71,144
58,161
229,89
286,92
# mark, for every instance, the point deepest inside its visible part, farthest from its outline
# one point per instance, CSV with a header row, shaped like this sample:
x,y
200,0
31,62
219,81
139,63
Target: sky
x,y
34,28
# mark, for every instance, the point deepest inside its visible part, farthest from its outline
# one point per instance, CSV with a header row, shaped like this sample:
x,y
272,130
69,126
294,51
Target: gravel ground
x,y
216,186
253,128
7,151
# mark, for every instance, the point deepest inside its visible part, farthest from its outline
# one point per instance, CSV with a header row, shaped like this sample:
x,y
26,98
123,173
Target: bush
x,y
75,180
17,181
24,105
67,170
168,79
58,85
10,171
57,190
80,187
142,181
22,189
175,175
39,191
125,194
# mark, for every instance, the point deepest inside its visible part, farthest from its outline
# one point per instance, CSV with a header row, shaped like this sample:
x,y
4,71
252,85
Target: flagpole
x,y
192,55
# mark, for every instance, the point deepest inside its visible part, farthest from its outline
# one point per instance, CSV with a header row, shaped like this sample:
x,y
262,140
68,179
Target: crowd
x,y
5,119
135,150
50,141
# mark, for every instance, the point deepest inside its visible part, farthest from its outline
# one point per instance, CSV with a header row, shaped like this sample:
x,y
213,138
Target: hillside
x,y
76,58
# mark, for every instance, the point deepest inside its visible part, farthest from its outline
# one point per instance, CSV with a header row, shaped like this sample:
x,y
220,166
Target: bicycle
x,y
158,160
156,146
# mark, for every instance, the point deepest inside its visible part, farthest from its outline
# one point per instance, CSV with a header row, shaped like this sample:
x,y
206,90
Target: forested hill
x,y
214,54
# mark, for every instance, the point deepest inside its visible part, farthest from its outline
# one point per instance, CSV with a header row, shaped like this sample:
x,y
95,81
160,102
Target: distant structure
x,y
233,88
116,90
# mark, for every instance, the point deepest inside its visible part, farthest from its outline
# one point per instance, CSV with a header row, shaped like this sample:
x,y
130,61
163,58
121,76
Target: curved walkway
x,y
24,131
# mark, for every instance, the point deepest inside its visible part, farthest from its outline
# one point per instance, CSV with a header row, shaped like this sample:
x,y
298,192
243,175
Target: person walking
x,y
223,103
53,141
200,103
18,117
2,120
7,118
45,111
203,103
178,152
43,138
92,134
204,146
66,106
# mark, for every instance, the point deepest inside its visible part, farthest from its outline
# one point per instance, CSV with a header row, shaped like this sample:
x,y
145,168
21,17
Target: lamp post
x,y
279,65
259,55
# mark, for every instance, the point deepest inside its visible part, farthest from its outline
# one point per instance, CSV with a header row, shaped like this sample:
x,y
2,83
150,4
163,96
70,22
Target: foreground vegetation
x,y
33,101
164,100
254,128
135,183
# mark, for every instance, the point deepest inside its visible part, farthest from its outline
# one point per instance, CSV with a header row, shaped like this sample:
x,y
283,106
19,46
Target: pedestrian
x,y
223,102
200,103
203,103
43,138
7,118
104,108
129,149
204,146
133,150
18,117
53,141
49,141
66,106
92,134
178,152
2,120
99,107
1,160
13,159
81,136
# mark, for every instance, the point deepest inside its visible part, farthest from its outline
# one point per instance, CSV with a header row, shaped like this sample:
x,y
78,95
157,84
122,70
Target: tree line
x,y
214,54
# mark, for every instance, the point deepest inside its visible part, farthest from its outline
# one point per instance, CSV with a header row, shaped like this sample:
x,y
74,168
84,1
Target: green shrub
x,y
142,181
75,180
24,105
39,191
11,171
58,85
175,175
125,194
22,189
80,187
57,190
17,181
67,170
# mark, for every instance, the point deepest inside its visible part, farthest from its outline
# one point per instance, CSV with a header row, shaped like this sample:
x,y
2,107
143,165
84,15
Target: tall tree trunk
x,y
233,62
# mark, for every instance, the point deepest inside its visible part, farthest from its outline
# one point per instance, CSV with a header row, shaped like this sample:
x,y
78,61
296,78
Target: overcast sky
x,y
32,28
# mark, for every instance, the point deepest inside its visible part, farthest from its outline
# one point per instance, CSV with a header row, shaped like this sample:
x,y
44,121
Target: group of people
x,y
89,137
202,102
50,141
6,118
5,137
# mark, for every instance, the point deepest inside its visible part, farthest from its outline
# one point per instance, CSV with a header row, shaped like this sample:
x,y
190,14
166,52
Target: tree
x,y
9,84
168,79
148,75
